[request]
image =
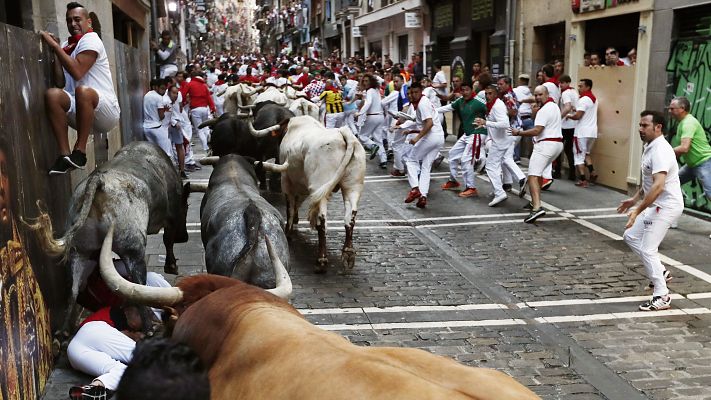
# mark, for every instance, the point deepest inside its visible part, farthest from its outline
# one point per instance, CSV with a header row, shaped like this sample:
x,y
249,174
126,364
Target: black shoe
x,y
189,168
436,163
384,165
61,166
528,206
374,151
385,145
522,187
507,187
657,303
183,175
197,166
534,215
90,392
391,155
77,159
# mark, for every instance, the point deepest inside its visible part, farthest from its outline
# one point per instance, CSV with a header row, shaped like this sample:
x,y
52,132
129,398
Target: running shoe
x,y
414,194
89,392
497,200
507,187
534,215
581,184
449,185
436,163
546,184
421,202
657,303
469,192
77,159
667,277
522,187
374,151
61,166
397,173
384,165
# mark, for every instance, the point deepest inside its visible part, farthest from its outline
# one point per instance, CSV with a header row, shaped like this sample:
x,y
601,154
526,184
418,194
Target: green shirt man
x,y
469,109
699,149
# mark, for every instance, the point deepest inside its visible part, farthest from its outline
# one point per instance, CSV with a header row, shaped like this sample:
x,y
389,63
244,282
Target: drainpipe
x,y
510,38
154,22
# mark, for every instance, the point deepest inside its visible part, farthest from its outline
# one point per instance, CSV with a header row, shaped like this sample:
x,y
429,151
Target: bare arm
x,y
78,67
567,108
649,198
577,116
426,126
683,148
535,131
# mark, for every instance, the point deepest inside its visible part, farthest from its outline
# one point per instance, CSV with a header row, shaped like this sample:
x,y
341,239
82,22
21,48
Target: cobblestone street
x,y
553,304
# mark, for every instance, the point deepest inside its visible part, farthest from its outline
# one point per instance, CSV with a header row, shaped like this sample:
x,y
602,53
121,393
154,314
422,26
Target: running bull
x,y
319,161
235,219
257,346
141,193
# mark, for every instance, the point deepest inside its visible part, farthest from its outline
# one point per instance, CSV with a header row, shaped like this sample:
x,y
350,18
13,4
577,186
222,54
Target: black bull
x,y
138,191
235,219
231,134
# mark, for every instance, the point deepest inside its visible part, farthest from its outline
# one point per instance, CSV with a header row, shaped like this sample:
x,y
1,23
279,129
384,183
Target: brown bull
x,y
257,346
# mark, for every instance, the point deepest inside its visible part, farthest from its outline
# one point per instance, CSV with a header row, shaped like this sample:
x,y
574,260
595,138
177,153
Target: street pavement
x,y
554,304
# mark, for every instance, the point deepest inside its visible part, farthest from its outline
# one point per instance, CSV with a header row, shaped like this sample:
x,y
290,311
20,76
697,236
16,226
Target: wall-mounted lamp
x,y
573,38
642,28
172,6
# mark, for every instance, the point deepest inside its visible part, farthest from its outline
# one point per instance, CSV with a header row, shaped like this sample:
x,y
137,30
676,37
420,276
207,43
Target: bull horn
x,y
283,282
199,187
249,107
153,296
209,122
245,89
263,132
212,160
240,115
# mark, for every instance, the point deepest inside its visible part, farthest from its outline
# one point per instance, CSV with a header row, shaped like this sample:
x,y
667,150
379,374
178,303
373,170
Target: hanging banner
x,y
357,31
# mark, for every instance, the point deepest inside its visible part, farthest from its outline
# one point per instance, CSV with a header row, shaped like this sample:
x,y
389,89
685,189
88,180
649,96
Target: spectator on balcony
x,y
166,54
586,59
631,58
612,58
595,59
84,97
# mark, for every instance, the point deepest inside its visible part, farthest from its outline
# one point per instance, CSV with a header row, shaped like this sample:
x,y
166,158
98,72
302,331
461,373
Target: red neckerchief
x,y
489,105
332,88
589,94
220,82
550,100
72,42
553,80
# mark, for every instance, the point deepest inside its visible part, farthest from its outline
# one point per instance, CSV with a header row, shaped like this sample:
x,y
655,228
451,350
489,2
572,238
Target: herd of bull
x,y
237,317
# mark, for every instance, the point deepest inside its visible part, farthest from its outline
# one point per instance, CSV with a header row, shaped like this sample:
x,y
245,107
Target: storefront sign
x,y
413,20
583,6
357,31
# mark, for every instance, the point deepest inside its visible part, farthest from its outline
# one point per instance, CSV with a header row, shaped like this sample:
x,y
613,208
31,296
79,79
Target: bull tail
x,y
42,225
314,200
253,223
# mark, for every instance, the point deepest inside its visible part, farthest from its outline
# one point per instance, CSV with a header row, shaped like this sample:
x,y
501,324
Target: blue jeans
x,y
702,172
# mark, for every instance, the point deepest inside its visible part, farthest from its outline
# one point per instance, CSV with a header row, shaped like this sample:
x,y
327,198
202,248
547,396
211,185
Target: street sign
x,y
413,20
357,31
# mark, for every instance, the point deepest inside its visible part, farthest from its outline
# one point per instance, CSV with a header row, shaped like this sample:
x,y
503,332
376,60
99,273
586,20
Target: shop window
x,y
694,23
549,43
402,49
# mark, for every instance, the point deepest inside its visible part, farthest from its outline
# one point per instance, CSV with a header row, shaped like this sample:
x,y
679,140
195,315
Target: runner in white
x,y
662,204
585,132
371,120
426,145
548,144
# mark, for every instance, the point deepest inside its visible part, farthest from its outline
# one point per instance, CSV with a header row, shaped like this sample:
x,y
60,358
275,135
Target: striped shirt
x,y
334,101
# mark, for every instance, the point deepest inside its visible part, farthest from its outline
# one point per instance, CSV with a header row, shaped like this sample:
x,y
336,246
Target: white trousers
x,y
582,147
335,120
501,156
350,121
644,238
542,157
371,133
462,155
198,116
100,350
401,146
419,161
160,137
188,134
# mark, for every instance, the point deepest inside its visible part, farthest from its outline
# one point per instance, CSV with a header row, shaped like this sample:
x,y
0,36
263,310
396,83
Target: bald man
x,y
84,97
548,144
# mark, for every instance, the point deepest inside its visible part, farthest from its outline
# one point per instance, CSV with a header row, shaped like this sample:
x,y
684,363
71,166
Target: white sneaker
x,y
498,200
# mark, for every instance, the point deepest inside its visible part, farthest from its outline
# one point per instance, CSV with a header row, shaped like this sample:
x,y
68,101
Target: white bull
x,y
319,161
237,96
303,106
272,93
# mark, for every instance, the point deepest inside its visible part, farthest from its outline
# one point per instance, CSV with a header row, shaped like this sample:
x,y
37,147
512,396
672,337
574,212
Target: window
x,y
126,30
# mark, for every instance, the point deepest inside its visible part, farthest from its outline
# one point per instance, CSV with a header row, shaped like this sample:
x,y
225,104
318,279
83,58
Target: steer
x,y
319,161
141,193
234,220
256,346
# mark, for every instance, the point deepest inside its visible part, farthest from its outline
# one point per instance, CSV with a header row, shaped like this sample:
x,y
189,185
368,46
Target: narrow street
x,y
553,304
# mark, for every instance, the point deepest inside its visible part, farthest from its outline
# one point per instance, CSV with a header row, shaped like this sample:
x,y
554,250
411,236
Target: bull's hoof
x,y
170,269
322,265
348,258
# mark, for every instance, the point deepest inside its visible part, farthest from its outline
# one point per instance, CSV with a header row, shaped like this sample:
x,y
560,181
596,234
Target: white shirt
x,y
658,156
569,96
440,78
98,77
497,122
431,95
549,118
553,91
372,103
587,125
152,101
522,93
425,110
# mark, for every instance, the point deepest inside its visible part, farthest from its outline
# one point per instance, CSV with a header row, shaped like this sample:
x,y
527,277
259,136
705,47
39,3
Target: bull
x,y
319,161
237,96
140,192
301,105
234,222
257,346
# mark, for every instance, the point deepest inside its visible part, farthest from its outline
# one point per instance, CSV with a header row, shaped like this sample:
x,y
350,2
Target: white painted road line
x,y
395,309
604,216
586,210
597,229
634,314
698,296
695,272
506,221
422,325
571,302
